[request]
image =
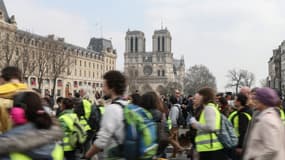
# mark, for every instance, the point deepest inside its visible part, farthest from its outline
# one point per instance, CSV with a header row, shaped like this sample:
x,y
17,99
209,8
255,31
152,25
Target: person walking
x,y
28,115
207,143
267,136
67,119
240,120
111,132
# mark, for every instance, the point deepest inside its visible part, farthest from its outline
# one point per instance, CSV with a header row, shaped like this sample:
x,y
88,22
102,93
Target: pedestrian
x,y
207,143
29,115
111,133
267,136
10,85
151,102
67,119
59,105
240,120
174,114
224,107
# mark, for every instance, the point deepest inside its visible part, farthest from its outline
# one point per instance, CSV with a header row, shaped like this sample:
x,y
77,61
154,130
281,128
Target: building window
x,y
80,73
84,73
136,44
75,62
89,74
93,75
132,44
75,84
97,66
80,62
80,83
84,63
75,72
163,45
89,64
163,73
58,92
158,43
59,83
158,73
93,66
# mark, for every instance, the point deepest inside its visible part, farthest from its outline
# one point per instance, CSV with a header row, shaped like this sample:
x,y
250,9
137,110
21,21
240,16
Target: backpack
x,y
226,134
181,119
140,134
78,134
95,118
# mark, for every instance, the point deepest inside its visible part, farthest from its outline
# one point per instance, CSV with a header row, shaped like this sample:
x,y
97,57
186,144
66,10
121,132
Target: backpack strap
x,y
121,105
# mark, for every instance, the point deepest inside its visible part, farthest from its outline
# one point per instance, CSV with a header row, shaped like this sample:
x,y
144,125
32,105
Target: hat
x,y
267,96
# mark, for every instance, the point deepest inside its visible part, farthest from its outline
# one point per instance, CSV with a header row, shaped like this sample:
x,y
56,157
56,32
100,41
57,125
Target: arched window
x,y
136,44
158,44
132,44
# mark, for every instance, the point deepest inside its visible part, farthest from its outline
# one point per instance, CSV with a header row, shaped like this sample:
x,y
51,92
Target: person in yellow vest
x,y
28,115
101,107
240,120
66,119
207,144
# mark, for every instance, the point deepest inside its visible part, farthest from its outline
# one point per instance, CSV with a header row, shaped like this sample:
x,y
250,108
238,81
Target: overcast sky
x,y
221,34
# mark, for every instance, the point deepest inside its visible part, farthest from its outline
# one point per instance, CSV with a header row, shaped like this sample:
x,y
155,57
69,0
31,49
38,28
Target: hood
x,y
9,89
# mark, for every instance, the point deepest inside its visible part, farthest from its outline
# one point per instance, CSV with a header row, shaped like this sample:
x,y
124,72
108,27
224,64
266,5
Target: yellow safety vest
x,y
57,154
169,124
70,124
206,141
87,110
234,119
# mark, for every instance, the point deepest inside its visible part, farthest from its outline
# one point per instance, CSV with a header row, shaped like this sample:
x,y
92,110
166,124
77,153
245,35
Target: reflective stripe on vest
x,y
57,154
69,122
234,119
208,141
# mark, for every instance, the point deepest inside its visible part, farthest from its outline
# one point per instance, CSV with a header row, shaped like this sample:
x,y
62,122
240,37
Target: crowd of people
x,y
140,125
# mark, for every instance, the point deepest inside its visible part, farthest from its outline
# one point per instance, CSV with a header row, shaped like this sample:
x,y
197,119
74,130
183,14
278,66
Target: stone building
x,y
40,58
156,70
276,69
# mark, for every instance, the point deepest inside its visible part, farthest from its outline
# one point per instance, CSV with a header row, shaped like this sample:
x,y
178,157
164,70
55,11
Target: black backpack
x,y
95,118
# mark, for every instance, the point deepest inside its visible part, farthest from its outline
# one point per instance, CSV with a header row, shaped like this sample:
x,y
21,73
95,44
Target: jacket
x,y
12,142
266,139
9,89
42,152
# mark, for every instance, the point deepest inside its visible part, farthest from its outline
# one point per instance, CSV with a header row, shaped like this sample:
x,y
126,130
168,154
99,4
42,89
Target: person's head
x,y
67,103
59,101
240,100
173,100
177,93
229,96
190,97
31,103
11,73
223,102
197,100
114,84
151,100
47,102
208,95
264,98
135,98
245,90
77,95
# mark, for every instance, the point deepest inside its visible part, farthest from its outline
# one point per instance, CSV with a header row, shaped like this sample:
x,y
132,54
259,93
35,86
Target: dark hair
x,y
242,99
11,72
48,101
150,100
223,101
115,80
59,100
136,98
77,95
208,95
32,104
68,103
173,100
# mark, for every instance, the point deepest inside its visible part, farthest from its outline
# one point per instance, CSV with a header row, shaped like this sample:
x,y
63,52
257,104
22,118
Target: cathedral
x,y
156,70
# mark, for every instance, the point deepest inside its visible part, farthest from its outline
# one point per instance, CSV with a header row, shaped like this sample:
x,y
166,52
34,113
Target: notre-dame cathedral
x,y
156,70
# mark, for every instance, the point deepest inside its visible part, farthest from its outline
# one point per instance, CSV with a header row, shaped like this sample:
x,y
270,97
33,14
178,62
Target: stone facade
x,y
276,69
153,70
85,65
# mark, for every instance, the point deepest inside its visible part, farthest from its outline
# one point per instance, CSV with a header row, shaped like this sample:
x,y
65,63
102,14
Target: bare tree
x,y
171,87
60,62
197,77
263,82
42,61
7,50
239,78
